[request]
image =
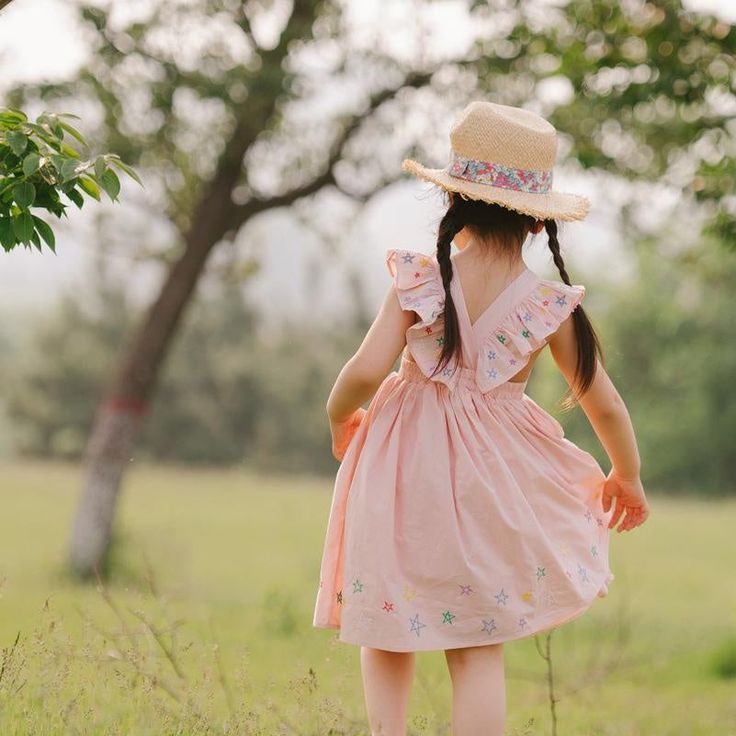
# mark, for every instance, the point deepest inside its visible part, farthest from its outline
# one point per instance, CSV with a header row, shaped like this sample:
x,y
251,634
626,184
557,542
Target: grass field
x,y
204,625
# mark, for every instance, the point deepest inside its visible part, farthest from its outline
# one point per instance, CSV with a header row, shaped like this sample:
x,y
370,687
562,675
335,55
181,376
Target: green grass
x,y
229,562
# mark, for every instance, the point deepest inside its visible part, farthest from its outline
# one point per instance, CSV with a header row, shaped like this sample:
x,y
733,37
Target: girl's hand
x,y
343,432
629,495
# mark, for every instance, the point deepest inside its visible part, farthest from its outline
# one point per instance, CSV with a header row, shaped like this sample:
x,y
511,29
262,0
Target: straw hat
x,y
505,155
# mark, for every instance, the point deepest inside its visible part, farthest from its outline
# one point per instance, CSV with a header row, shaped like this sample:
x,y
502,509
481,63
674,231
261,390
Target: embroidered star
x,y
417,275
440,340
388,606
465,589
545,302
522,622
447,372
501,339
428,330
408,257
447,617
540,573
491,355
492,373
489,626
527,318
583,573
416,624
409,593
425,261
357,586
588,514
501,597
561,300
527,595
594,551
512,361
339,596
525,333
600,521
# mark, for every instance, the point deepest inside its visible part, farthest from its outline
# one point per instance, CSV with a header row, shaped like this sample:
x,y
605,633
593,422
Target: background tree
x,y
224,120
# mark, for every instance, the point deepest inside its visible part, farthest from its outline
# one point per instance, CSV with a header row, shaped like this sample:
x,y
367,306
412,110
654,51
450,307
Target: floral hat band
x,y
498,175
504,155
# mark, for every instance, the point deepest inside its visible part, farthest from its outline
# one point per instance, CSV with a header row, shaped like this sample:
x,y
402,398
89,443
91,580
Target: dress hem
x,y
560,617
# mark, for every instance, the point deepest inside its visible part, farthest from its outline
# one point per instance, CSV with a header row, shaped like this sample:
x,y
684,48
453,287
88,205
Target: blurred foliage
x,y
37,166
229,396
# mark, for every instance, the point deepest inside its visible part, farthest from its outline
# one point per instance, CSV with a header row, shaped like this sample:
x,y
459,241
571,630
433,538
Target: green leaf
x,y
45,231
74,132
36,241
31,164
111,184
68,169
7,236
24,193
127,169
100,166
75,197
23,227
17,141
89,186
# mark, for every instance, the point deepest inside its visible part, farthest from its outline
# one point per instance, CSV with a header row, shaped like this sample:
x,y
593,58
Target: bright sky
x,y
37,39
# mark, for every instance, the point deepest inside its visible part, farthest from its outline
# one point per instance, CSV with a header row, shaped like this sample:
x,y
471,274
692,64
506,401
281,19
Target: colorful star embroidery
x,y
527,317
525,333
600,521
588,514
489,626
512,361
440,340
388,607
408,257
492,373
561,300
425,261
428,330
357,586
527,596
501,597
545,302
522,622
501,339
583,573
447,372
409,593
339,596
416,624
594,551
447,617
465,589
540,572
491,355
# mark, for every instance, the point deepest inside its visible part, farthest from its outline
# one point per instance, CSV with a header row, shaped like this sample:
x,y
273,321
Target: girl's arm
x,y
361,376
611,422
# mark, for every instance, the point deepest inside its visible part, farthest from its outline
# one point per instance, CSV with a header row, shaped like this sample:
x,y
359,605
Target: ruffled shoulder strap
x,y
525,328
419,287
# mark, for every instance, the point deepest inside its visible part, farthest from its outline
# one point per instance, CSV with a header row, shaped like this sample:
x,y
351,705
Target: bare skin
x,y
477,673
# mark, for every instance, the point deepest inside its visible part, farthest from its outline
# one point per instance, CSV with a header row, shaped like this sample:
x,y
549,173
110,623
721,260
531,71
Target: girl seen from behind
x,y
462,517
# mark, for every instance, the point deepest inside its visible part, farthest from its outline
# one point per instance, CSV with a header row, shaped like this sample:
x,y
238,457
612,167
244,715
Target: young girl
x,y
462,517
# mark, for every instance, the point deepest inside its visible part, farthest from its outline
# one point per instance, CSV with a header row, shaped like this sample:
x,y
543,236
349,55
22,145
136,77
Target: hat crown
x,y
506,135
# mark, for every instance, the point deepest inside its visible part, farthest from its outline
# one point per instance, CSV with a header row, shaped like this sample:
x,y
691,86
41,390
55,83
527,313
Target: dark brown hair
x,y
508,229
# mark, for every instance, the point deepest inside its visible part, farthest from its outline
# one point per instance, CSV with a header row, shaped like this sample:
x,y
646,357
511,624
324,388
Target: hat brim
x,y
548,206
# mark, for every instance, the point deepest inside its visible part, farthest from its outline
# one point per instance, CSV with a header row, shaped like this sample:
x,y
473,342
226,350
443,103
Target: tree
x,y
211,116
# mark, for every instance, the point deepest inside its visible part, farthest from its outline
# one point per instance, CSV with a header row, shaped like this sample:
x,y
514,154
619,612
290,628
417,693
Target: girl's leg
x,y
478,690
387,681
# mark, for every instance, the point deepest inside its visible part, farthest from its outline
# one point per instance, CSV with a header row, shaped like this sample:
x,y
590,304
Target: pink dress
x,y
461,515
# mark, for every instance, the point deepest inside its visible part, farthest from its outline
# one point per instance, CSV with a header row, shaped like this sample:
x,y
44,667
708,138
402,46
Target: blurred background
x,y
165,465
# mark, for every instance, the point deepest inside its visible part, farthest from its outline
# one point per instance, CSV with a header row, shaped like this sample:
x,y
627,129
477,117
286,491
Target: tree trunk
x,y
120,415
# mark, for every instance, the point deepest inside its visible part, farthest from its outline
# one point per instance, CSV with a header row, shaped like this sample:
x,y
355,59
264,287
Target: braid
x,y
589,347
450,225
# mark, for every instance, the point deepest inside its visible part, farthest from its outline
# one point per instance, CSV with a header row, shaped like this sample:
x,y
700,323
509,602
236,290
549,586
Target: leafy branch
x,y
38,166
